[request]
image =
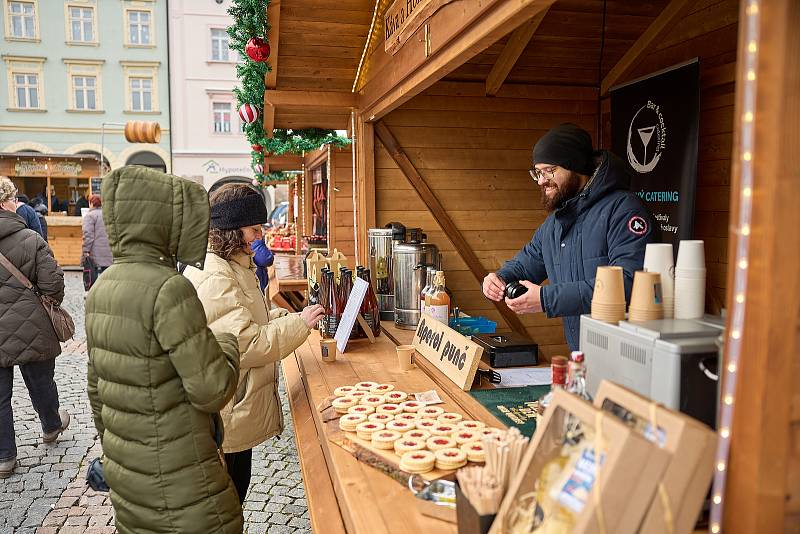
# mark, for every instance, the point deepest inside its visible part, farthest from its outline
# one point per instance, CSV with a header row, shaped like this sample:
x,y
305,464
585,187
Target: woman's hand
x,y
311,315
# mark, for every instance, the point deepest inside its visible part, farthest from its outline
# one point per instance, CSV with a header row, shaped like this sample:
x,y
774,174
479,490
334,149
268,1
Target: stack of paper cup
x,y
608,298
658,258
646,301
690,280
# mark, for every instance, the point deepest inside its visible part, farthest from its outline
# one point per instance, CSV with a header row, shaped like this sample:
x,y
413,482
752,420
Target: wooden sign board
x,y
403,18
453,354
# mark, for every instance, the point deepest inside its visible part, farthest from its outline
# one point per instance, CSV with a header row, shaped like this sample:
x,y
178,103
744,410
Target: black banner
x,y
654,129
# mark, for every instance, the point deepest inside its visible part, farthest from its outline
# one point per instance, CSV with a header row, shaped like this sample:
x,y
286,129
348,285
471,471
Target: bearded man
x,y
594,220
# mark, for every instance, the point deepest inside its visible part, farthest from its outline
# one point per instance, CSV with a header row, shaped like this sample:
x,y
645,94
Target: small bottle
x,y
439,307
577,376
425,290
325,300
337,307
369,308
558,372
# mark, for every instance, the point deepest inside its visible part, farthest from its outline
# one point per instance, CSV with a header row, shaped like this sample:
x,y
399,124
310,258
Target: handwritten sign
x,y
403,18
453,354
40,168
350,313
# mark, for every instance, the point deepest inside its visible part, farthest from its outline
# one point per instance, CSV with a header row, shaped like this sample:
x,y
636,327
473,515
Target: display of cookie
x,y
400,426
431,412
448,459
343,391
396,397
381,389
436,443
426,424
442,430
373,400
359,394
366,386
389,408
417,434
361,408
490,431
412,406
450,418
380,418
471,425
366,429
463,435
408,417
417,462
404,445
384,439
348,422
474,451
342,404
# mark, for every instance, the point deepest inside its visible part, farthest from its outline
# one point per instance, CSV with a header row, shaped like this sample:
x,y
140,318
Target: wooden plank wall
x,y
709,31
340,167
475,152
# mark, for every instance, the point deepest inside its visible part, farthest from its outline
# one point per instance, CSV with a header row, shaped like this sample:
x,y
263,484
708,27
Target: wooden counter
x,y
343,494
65,236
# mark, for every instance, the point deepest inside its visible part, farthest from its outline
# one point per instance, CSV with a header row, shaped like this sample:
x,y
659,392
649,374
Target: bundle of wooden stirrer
x,y
485,486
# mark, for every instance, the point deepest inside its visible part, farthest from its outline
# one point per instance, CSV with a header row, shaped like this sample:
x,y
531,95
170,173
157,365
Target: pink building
x,y
208,145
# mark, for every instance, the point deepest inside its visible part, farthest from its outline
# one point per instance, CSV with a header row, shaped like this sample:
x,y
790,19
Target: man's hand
x,y
493,287
530,302
311,315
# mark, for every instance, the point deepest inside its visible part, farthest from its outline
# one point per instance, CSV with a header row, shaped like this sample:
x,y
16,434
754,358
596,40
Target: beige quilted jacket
x,y
234,304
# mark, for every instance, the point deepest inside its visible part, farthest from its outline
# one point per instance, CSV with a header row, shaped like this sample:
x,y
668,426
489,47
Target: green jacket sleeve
x,y
208,366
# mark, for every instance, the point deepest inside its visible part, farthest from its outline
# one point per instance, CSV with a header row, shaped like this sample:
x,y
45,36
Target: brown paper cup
x,y
609,287
646,298
328,349
405,354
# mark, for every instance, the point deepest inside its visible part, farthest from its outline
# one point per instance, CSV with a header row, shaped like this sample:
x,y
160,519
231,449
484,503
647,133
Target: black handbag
x,y
89,272
94,476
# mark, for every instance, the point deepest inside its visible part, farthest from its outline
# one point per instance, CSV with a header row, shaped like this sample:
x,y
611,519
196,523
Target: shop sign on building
x,y
43,168
404,17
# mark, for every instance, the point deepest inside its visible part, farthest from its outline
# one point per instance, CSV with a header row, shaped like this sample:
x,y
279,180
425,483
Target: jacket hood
x,y
149,214
611,175
10,223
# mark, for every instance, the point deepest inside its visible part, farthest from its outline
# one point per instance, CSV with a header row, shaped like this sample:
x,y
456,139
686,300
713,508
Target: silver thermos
x,y
409,265
380,264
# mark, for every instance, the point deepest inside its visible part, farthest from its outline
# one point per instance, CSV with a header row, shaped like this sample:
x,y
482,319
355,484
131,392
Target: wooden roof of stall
x,y
318,46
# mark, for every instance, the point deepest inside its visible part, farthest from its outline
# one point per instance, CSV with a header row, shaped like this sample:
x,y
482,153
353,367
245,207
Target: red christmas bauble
x,y
258,168
248,113
257,148
257,49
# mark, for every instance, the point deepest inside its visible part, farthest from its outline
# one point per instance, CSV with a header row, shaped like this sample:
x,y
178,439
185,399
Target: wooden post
x,y
365,186
440,214
49,199
763,472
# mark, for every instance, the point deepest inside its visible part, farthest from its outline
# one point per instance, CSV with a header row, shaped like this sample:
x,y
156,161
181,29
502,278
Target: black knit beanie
x,y
568,146
246,211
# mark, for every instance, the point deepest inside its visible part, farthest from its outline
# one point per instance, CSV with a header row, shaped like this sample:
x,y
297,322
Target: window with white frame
x,y
26,90
220,45
141,91
222,117
22,20
81,24
139,27
85,92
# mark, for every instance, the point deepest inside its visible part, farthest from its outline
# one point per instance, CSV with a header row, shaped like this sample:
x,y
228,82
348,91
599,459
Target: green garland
x,y
250,20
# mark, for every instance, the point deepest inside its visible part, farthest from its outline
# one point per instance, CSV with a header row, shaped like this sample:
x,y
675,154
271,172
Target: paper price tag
x,y
350,312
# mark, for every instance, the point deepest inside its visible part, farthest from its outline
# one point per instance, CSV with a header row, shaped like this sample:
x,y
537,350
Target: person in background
x,y
82,202
263,258
156,375
41,211
27,338
594,220
95,238
229,290
28,214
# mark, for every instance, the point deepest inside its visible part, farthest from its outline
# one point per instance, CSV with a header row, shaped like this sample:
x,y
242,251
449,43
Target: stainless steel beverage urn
x,y
410,262
380,263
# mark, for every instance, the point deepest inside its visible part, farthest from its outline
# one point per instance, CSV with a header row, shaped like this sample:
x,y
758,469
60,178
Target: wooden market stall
x,y
444,110
59,180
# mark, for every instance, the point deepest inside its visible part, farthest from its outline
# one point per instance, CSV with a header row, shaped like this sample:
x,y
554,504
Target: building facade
x,y
73,68
209,145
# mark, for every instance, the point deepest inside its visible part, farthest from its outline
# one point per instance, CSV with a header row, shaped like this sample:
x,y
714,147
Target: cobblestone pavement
x,y
47,493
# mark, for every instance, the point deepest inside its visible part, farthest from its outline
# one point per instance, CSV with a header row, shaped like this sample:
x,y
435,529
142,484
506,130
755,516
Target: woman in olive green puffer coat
x,y
156,373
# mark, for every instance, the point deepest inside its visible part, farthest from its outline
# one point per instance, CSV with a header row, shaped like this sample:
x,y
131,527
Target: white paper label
x,y
352,308
440,312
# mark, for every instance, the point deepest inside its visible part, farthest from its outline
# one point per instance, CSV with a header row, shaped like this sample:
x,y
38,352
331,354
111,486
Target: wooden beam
x,y
269,118
762,489
273,36
514,48
636,53
284,162
365,185
456,33
323,100
437,209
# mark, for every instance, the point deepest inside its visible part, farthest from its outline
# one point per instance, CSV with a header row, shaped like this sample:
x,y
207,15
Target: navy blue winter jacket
x,y
605,224
31,219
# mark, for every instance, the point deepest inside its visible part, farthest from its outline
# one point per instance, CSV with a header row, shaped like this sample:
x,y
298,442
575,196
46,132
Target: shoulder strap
x,y
14,271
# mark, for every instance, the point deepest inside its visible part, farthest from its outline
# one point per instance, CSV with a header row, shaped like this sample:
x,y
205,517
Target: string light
x,y
747,95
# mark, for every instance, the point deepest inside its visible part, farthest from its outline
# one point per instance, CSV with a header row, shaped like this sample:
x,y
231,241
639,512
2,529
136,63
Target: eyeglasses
x,y
540,175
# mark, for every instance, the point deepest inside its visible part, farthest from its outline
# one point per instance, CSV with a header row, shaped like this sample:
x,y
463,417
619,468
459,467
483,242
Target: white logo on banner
x,y
644,149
